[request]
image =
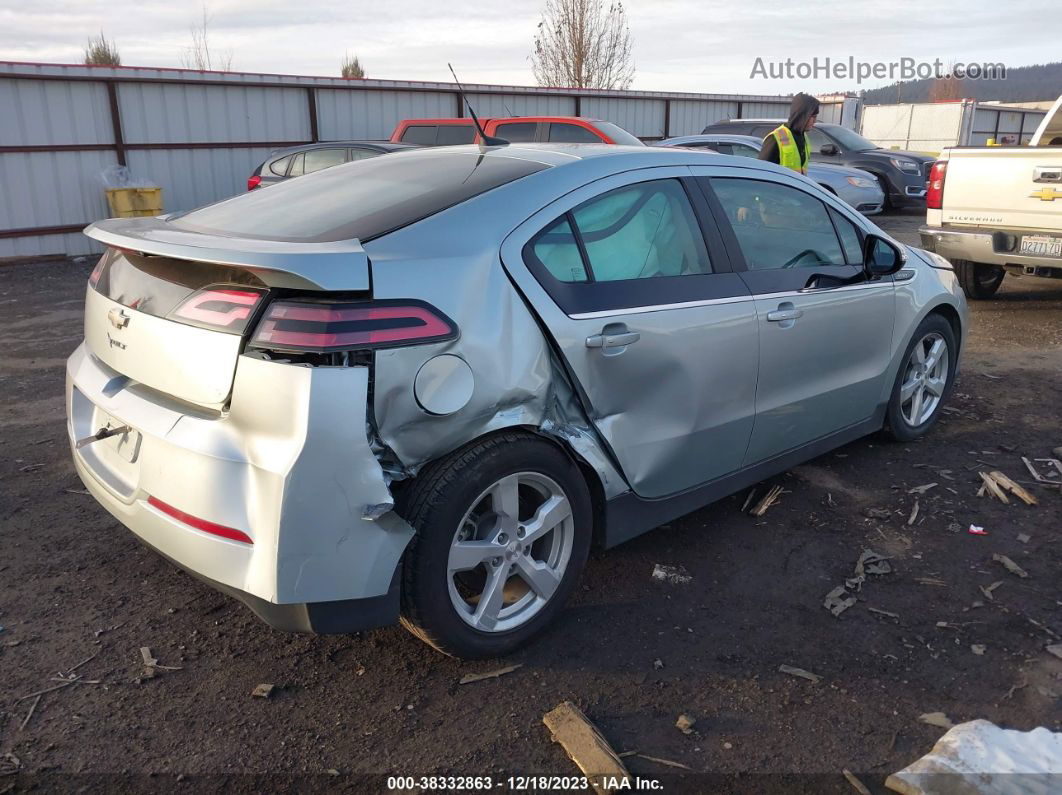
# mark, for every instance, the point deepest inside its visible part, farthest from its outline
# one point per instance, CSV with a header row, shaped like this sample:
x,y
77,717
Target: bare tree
x,y
943,89
100,52
352,67
199,55
583,44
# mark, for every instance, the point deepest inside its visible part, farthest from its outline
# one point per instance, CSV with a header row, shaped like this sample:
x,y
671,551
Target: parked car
x,y
903,175
858,188
992,209
423,385
515,129
295,161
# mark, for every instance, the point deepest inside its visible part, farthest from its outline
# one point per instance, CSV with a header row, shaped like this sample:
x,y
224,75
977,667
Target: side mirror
x,y
881,257
829,149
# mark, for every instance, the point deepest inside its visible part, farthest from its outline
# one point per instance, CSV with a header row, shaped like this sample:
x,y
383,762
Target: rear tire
x,y
924,380
978,280
472,584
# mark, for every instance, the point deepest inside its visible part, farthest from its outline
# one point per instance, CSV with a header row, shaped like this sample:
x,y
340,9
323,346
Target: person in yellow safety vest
x,y
787,145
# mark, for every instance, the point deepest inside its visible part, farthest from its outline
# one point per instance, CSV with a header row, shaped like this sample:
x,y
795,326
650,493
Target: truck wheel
x,y
924,379
978,280
503,531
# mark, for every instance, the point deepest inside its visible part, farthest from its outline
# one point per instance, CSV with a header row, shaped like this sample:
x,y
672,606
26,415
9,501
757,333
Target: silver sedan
x,y
858,188
421,386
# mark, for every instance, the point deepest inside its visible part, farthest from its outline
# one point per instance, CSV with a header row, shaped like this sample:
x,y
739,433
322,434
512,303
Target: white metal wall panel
x,y
193,177
71,245
690,117
170,113
765,110
642,117
373,115
52,188
501,105
43,112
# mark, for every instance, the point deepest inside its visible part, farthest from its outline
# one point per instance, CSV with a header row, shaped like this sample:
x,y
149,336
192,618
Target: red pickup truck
x,y
517,129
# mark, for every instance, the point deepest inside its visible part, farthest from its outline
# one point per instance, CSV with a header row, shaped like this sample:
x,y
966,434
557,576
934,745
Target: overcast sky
x,y
679,45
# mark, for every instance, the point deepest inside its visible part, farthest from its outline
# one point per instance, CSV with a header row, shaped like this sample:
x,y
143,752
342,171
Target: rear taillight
x,y
319,327
253,182
219,308
935,189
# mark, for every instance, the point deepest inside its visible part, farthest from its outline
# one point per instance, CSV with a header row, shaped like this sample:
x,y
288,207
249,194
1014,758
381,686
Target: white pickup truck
x,y
998,209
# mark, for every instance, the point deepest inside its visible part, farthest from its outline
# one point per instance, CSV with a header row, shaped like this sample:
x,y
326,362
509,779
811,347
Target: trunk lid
x,y
170,309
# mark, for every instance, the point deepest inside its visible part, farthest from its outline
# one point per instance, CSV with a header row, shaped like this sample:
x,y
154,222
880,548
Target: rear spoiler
x,y
338,265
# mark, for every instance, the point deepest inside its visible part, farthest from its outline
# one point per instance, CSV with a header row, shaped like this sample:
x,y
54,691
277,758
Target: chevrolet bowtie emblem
x,y
118,318
1046,194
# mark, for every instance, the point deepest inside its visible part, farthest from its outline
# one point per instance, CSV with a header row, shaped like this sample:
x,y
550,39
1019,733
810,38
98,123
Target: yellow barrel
x,y
133,202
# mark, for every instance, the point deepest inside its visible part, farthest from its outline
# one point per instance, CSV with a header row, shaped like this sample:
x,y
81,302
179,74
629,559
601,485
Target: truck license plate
x,y
1041,245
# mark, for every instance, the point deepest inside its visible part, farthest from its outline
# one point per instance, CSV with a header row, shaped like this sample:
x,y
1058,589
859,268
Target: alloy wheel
x,y
510,552
925,377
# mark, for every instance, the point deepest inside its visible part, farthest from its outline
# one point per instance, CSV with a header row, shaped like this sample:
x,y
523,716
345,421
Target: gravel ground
x,y
632,652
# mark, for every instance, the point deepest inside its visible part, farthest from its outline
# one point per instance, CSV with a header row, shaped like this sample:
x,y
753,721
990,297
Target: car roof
x,y
679,140
382,146
485,119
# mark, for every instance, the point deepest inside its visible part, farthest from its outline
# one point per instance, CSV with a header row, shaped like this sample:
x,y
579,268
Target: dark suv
x,y
903,175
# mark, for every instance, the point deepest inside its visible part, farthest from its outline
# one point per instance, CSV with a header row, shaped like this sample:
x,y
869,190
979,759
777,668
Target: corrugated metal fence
x,y
200,134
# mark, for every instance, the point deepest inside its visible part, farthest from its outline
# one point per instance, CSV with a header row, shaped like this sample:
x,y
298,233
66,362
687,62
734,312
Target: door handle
x,y
618,339
779,315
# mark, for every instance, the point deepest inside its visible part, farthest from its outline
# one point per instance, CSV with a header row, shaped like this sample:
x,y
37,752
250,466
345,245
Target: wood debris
x,y
987,590
993,488
1056,650
930,581
914,514
1012,487
685,724
469,678
788,669
857,785
1010,565
881,612
584,745
936,719
768,500
922,489
263,691
667,762
151,664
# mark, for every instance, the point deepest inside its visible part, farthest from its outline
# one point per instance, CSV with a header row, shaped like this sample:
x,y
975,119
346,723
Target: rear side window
x,y
363,154
518,131
297,165
639,231
363,200
320,159
421,134
778,226
280,167
571,134
454,134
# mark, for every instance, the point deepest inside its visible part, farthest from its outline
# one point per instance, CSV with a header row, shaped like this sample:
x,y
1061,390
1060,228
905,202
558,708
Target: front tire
x,y
503,532
924,380
978,280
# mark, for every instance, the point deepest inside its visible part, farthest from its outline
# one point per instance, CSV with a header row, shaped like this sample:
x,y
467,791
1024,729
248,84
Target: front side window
x,y
744,150
816,140
571,134
518,132
320,159
851,242
640,231
778,226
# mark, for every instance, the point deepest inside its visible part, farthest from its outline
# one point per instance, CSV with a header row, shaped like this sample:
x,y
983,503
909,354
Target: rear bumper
x,y
980,245
288,465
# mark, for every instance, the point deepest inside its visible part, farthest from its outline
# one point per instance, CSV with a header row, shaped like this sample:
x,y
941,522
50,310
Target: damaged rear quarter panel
x,y
518,382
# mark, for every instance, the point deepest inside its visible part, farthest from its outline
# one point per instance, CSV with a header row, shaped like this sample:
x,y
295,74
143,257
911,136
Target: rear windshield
x,y
360,200
617,133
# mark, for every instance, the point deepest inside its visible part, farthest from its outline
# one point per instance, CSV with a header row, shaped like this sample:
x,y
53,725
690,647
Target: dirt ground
x,y
633,653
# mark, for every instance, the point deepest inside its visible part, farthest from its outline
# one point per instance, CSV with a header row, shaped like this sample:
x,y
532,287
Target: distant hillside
x,y
1023,84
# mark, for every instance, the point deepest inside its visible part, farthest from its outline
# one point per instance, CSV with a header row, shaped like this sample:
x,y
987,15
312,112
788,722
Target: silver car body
x,y
299,458
865,195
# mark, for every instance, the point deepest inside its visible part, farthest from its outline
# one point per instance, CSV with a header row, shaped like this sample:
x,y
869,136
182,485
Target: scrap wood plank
x,y
1012,487
993,488
585,745
769,499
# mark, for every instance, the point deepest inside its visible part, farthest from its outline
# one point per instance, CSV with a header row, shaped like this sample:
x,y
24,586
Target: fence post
x,y
311,107
116,122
